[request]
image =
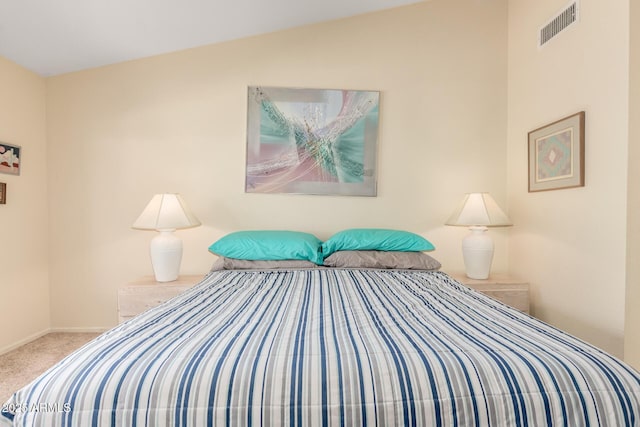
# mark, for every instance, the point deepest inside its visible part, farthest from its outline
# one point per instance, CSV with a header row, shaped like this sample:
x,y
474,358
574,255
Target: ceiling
x,y
52,37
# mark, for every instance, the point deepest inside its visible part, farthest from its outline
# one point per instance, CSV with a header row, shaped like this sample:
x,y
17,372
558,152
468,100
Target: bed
x,y
331,346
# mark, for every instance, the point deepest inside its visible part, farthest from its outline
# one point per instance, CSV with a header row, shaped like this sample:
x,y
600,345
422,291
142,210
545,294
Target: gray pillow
x,y
224,263
382,259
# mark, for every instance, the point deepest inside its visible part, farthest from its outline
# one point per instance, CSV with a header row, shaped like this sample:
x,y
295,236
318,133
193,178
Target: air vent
x,y
558,23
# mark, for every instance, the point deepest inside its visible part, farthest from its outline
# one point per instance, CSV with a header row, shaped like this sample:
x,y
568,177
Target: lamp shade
x,y
479,209
166,212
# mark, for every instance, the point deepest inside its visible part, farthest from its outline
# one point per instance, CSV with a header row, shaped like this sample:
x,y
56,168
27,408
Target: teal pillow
x,y
266,245
375,239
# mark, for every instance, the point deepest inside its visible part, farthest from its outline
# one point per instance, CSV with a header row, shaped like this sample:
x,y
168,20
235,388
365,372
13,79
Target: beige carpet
x,y
22,365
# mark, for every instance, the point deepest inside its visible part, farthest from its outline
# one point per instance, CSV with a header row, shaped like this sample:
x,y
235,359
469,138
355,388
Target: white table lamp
x,y
478,211
166,213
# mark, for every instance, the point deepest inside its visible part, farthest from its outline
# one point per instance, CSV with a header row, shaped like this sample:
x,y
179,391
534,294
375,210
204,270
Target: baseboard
x,y
33,337
96,330
24,341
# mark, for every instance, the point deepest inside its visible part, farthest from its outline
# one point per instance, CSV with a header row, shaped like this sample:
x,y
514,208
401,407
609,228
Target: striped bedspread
x,y
332,347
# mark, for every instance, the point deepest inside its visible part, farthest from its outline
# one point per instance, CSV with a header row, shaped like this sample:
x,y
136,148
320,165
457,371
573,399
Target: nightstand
x,y
145,293
501,287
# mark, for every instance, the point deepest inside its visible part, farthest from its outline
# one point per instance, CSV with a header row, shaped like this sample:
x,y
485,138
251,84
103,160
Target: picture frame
x,y
556,154
10,156
312,141
3,193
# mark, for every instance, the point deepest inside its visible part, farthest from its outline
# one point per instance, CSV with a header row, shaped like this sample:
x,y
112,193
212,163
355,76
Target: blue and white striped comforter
x,y
332,347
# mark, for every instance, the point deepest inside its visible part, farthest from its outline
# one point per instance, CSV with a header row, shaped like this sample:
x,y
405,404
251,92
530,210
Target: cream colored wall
x,y
570,244
176,123
24,282
632,312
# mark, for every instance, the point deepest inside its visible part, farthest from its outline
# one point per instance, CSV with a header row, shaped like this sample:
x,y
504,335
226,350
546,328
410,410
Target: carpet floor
x,y
21,366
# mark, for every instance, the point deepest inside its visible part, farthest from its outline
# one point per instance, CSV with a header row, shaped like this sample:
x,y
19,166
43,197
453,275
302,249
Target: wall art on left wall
x,y
3,193
10,159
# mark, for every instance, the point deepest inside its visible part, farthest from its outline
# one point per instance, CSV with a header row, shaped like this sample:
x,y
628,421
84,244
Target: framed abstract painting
x,y
556,154
10,159
311,141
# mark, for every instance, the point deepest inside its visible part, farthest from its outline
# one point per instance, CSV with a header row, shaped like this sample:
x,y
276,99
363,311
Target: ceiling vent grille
x,y
558,23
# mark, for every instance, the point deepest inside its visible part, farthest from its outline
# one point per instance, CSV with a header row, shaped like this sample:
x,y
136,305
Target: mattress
x,y
332,347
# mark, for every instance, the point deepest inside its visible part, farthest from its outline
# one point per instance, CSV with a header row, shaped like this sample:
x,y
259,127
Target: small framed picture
x,y
3,193
10,159
556,154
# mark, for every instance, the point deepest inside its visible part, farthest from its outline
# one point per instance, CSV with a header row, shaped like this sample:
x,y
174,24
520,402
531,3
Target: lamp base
x,y
477,251
166,255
